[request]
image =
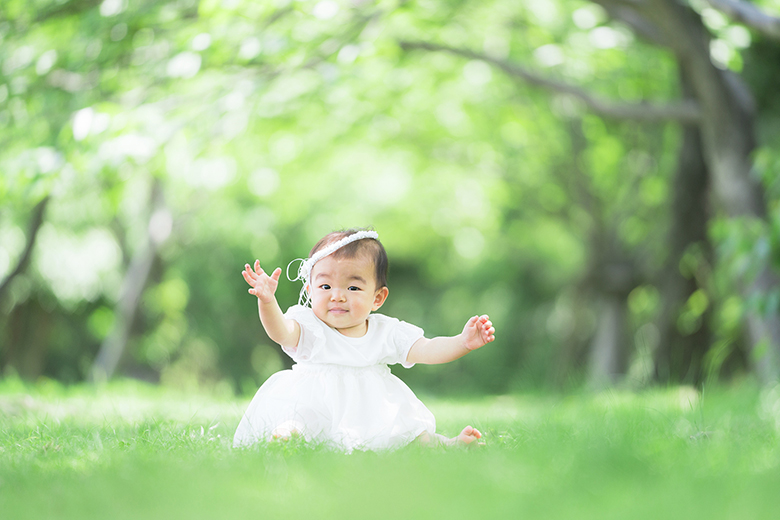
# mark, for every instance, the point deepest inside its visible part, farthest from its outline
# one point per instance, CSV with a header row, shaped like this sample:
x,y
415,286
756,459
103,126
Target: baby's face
x,y
343,293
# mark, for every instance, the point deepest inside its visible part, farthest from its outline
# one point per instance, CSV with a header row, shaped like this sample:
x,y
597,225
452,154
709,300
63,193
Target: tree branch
x,y
750,15
682,112
630,14
60,10
32,235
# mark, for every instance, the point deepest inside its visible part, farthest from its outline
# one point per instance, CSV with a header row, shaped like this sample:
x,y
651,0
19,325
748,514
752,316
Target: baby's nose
x,y
337,295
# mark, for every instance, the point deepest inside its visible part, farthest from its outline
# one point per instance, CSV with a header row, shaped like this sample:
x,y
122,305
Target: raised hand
x,y
477,332
263,286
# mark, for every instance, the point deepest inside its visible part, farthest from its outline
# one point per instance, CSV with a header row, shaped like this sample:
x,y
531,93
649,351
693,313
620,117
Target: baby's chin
x,y
353,328
333,319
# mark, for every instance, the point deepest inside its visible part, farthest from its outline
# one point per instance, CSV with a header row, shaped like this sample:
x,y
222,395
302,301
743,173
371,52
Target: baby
x,y
340,392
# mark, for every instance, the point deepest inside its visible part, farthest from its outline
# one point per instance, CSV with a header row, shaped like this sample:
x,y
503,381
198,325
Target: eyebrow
x,y
353,277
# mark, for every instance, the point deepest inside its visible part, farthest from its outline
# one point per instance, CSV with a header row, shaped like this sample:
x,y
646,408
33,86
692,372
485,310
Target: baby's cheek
x,y
318,312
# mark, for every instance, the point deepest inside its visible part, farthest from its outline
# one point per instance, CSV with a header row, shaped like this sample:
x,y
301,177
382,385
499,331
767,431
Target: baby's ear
x,y
379,297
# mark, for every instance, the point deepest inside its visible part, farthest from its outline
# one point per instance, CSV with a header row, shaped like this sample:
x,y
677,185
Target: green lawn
x,y
129,451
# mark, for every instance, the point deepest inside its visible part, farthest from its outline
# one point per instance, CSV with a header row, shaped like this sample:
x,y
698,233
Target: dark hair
x,y
367,246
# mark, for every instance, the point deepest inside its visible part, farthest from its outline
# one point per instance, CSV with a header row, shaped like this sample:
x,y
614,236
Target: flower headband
x,y
304,269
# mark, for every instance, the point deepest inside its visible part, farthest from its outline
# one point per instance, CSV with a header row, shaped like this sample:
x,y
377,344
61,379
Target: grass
x,y
129,451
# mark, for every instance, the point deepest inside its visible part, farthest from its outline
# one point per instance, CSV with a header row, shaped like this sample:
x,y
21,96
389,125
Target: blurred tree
x,y
722,143
728,144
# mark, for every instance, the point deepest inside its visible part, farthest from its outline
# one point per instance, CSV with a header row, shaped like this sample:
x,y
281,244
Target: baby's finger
x,y
276,274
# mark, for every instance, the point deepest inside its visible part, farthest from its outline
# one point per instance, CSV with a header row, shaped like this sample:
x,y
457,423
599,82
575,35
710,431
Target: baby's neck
x,y
354,332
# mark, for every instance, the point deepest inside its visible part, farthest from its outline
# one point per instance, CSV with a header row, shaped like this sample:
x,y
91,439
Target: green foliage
x,y
131,451
268,124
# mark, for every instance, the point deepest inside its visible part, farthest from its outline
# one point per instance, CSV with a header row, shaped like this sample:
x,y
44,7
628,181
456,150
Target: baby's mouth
x,y
338,310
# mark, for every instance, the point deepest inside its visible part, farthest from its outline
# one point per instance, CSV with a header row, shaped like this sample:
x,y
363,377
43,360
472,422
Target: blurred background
x,y
600,177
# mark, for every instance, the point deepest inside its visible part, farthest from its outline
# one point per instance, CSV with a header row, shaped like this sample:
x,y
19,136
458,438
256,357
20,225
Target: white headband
x,y
304,270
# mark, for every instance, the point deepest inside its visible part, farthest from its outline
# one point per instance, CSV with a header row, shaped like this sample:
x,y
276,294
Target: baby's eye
x,y
325,286
353,288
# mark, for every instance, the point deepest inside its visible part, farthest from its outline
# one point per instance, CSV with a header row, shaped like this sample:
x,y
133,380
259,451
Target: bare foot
x,y
285,436
467,436
286,431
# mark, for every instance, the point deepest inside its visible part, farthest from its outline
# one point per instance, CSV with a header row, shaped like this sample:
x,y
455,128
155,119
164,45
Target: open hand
x,y
478,331
263,286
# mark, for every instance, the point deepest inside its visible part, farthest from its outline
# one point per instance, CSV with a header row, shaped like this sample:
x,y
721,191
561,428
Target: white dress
x,y
340,392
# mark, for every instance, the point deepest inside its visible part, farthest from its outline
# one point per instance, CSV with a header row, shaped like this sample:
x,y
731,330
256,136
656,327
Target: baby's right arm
x,y
280,329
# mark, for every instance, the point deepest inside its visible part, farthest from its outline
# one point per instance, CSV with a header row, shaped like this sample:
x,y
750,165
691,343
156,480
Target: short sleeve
x,y
401,339
312,337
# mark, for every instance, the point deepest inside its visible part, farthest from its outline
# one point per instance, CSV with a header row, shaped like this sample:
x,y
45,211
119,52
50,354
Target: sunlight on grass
x,y
133,451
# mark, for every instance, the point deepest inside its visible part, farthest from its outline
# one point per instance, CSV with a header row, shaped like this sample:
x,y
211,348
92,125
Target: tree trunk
x,y
608,353
612,279
679,357
20,351
136,278
29,336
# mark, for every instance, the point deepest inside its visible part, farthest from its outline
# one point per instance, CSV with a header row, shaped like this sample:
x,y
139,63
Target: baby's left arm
x,y
477,332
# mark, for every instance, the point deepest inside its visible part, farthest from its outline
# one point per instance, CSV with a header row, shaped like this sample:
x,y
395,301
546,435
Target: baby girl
x,y
340,392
